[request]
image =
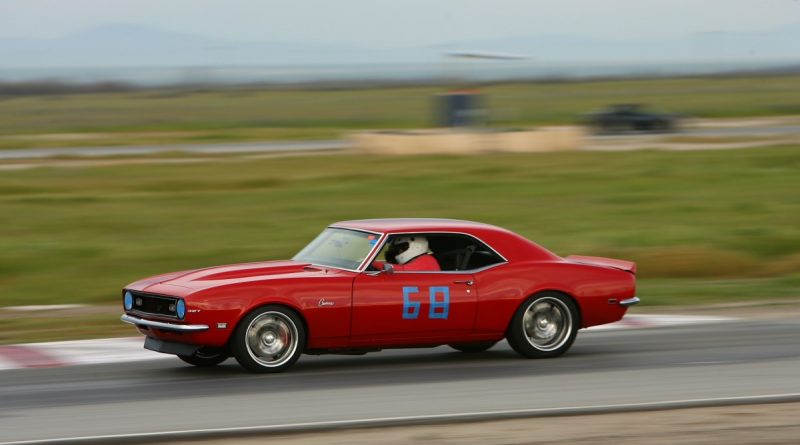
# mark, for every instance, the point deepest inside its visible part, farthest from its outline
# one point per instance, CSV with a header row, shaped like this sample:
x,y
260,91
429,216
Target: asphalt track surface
x,y
723,362
786,131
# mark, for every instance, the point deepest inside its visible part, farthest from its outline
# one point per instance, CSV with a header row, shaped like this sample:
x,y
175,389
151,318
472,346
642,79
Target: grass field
x,y
704,226
160,116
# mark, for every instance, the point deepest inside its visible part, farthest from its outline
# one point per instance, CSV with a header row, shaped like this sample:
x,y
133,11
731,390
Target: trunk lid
x,y
627,266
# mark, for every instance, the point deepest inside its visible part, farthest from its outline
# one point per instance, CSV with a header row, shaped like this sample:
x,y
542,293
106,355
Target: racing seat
x,y
456,259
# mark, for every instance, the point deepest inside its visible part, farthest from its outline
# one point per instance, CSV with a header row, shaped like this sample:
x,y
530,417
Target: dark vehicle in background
x,y
626,118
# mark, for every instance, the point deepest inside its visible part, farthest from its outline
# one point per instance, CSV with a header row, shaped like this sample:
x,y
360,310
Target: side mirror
x,y
388,268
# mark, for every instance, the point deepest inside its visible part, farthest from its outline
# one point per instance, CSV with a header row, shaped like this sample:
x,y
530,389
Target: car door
x,y
404,307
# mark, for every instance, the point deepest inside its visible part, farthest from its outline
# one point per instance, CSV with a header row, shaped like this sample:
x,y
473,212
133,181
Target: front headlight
x,y
128,300
180,309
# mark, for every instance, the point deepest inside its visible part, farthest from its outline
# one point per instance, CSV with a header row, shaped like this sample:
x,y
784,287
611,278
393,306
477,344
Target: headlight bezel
x,y
127,300
180,309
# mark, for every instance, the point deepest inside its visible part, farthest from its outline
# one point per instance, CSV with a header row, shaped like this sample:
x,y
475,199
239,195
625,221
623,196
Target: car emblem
x,y
323,302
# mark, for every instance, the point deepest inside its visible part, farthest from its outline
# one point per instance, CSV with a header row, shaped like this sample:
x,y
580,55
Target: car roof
x,y
393,225
509,244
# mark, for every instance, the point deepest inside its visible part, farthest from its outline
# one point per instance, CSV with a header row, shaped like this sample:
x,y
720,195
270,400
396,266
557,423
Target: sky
x,y
387,23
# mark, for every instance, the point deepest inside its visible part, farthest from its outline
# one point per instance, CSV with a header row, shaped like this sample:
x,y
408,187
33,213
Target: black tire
x,y
544,326
473,347
205,357
277,339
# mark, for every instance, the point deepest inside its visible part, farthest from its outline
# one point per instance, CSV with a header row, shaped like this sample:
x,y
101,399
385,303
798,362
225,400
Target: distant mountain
x,y
125,45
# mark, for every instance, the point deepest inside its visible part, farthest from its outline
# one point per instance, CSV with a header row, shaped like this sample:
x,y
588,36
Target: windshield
x,y
341,248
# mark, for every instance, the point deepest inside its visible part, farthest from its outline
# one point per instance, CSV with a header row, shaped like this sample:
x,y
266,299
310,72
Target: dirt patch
x,y
749,424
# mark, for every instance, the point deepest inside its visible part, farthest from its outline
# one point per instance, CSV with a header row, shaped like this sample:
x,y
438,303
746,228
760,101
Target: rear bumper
x,y
629,302
163,325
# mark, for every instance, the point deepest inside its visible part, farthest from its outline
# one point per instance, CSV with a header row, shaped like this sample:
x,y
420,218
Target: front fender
x,y
324,305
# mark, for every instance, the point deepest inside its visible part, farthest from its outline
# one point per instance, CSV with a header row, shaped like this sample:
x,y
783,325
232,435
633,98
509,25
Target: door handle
x,y
467,282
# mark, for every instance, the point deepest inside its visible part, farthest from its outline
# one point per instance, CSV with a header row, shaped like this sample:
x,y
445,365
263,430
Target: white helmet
x,y
406,248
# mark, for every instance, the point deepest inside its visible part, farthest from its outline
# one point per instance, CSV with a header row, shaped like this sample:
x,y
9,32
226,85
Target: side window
x,y
461,252
445,251
407,252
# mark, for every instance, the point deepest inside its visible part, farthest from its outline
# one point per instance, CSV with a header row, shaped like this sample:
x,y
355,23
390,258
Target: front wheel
x,y
205,357
544,326
269,339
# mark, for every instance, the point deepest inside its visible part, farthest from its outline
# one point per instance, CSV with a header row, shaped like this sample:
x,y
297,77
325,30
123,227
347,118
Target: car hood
x,y
220,275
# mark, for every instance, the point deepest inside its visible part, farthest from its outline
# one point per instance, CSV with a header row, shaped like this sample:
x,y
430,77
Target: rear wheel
x,y
473,347
269,339
205,357
544,326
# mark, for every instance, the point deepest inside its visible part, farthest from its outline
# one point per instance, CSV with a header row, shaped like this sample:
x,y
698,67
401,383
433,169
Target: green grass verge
x,y
704,226
149,117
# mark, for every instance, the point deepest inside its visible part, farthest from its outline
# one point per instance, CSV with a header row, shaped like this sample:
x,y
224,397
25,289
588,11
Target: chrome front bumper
x,y
162,325
629,301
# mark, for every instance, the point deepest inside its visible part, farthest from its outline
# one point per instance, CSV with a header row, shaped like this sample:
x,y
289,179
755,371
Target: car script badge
x,y
323,302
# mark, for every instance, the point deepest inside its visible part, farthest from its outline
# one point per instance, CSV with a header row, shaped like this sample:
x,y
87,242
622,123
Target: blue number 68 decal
x,y
439,298
410,308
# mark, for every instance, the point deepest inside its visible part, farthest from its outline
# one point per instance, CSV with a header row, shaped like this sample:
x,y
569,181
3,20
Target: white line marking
x,y
717,362
765,398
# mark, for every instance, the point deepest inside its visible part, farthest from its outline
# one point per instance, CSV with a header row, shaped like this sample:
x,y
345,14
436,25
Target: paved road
x,y
725,359
238,147
754,131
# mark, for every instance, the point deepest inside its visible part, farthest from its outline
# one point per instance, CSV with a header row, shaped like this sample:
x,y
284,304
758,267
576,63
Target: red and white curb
x,y
77,352
121,350
638,321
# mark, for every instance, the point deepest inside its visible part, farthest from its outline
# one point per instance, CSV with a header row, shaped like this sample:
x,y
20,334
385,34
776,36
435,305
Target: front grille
x,y
154,304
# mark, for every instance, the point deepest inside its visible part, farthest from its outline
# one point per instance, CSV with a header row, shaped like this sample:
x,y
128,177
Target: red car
x,y
365,285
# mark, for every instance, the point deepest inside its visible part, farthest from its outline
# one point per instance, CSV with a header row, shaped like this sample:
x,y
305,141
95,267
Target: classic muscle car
x,y
366,285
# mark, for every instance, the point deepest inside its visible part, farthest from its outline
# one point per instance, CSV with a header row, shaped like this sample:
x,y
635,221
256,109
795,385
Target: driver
x,y
409,253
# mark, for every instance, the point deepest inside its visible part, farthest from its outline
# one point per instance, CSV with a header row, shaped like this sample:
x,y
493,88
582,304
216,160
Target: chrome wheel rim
x,y
271,339
547,323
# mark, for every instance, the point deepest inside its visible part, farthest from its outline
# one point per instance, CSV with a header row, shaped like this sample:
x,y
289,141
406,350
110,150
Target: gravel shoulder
x,y
745,424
